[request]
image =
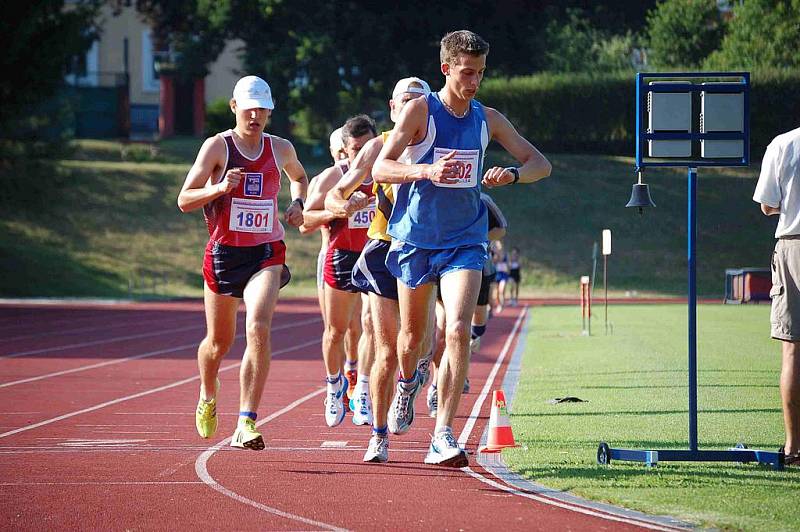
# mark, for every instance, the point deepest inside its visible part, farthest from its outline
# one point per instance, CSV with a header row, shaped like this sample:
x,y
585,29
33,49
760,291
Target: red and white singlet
x,y
247,216
350,234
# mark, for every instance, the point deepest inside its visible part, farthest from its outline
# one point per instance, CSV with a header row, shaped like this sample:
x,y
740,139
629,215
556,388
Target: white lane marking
x,y
140,356
333,443
69,332
551,502
100,342
201,468
470,424
101,483
487,386
142,394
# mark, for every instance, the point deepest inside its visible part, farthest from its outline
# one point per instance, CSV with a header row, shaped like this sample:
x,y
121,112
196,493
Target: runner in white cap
x,y
371,276
235,179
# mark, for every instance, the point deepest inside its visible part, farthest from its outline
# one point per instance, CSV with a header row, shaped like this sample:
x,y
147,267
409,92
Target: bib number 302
x,y
251,216
468,169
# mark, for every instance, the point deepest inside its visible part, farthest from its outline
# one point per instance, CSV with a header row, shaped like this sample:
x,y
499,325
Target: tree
x,y
762,33
682,33
39,44
193,30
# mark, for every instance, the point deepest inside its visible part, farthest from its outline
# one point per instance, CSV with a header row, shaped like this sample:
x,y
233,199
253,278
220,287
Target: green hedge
x,y
596,113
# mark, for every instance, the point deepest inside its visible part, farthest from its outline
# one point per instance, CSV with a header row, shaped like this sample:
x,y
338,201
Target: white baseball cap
x,y
251,92
404,85
336,143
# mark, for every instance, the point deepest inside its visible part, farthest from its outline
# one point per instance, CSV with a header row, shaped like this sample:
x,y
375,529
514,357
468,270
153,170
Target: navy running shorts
x,y
370,273
228,269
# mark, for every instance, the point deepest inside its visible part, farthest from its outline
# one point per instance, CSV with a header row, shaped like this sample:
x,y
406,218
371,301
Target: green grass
x,y
105,218
635,385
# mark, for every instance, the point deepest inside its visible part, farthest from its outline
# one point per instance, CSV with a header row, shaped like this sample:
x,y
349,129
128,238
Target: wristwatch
x,y
514,171
300,201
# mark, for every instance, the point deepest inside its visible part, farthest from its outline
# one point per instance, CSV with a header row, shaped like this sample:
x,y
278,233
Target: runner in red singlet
x,y
236,179
342,300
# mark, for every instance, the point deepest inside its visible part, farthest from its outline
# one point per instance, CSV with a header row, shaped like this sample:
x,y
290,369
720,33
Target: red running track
x,y
97,432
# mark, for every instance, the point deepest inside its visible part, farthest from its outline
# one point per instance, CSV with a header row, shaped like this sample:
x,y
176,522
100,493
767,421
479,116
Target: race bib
x,y
251,216
469,168
361,219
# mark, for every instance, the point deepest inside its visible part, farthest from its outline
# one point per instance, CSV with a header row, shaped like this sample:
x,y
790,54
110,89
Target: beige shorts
x,y
785,292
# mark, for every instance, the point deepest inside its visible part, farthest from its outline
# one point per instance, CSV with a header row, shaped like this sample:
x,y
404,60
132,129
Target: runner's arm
x,y
412,124
535,166
297,179
770,211
314,213
336,201
197,189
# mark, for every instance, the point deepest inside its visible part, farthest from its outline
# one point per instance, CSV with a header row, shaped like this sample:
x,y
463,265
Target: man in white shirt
x,y
778,192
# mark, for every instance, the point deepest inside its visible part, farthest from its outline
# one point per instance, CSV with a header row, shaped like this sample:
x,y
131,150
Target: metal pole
x,y
691,249
605,287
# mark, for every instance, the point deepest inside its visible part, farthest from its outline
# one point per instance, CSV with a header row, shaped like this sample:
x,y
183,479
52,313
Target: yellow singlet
x,y
385,198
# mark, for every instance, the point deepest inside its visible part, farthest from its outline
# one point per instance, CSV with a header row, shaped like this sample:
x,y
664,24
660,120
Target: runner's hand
x,y
357,201
294,214
231,180
446,170
497,176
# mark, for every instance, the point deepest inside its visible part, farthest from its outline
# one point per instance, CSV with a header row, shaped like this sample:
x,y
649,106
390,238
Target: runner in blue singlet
x,y
439,224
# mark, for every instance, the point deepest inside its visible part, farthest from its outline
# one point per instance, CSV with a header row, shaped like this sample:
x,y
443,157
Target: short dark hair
x,y
462,42
358,126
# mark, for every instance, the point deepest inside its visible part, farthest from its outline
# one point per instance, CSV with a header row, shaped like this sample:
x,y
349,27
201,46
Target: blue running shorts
x,y
415,266
370,273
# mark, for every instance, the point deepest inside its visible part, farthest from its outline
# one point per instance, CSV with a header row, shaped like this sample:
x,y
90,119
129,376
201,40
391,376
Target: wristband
x,y
514,171
300,201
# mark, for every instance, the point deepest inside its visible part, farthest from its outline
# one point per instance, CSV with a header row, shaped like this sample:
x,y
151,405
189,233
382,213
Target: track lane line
x,y
470,424
143,394
100,342
201,468
141,356
91,328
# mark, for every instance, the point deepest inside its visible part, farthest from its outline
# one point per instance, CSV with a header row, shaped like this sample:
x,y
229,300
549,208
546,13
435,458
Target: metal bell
x,y
640,197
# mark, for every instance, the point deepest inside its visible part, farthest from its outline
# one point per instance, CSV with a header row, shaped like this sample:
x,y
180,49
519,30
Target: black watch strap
x,y
514,171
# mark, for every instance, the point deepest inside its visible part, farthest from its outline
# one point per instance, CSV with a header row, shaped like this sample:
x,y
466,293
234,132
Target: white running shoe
x,y
334,402
378,449
475,344
433,401
444,450
401,411
362,408
424,368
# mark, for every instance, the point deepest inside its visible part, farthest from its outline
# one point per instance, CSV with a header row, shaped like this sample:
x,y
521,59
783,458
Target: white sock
x,y
350,365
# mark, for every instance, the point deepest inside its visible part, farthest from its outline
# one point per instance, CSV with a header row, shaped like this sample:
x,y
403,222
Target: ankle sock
x,y
350,365
380,431
409,380
478,330
247,414
333,379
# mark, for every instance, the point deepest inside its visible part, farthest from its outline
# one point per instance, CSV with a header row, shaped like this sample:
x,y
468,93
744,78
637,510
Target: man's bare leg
x,y
385,320
260,298
362,406
459,296
415,314
790,395
340,307
221,331
415,308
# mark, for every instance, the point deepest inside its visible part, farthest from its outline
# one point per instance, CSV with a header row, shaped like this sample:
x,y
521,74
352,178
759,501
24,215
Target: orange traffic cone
x,y
500,435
